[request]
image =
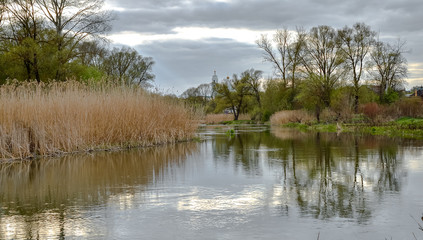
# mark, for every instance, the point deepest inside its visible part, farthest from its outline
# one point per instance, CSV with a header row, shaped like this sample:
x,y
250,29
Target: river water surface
x,y
259,183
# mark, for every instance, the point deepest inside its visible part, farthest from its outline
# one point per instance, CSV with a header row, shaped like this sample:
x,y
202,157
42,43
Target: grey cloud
x,y
189,63
183,64
148,15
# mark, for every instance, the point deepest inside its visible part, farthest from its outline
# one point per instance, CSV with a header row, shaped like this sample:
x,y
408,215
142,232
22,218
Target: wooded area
x,y
322,68
46,40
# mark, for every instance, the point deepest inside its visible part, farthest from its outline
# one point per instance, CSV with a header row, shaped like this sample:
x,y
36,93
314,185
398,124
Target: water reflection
x,y
37,196
261,182
324,175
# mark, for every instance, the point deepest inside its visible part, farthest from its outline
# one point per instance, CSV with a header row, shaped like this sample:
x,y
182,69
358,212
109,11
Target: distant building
x,y
215,79
417,91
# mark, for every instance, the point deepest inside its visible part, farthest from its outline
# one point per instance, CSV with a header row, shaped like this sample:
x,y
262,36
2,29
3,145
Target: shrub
x,y
410,107
371,110
291,116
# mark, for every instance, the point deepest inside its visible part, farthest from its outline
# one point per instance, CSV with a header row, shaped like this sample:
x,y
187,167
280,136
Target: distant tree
x,y
287,56
323,60
312,94
191,96
92,53
356,44
276,97
128,67
388,66
233,94
252,78
205,91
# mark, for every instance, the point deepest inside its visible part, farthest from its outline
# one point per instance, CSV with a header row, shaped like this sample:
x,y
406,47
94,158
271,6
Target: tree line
x,y
60,39
316,69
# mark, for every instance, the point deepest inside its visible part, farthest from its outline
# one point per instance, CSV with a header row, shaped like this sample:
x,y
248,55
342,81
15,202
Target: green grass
x,y
404,127
313,127
236,122
409,123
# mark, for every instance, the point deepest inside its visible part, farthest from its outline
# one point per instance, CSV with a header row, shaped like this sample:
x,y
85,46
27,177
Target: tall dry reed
x,y
38,119
291,116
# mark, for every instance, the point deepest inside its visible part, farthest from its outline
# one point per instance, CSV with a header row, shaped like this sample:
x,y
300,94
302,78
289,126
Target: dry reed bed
x,y
67,117
291,116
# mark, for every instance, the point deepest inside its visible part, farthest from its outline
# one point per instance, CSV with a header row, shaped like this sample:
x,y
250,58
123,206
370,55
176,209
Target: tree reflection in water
x,y
36,195
323,174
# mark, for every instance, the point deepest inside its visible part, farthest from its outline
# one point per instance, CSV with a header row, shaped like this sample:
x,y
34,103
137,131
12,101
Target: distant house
x,y
228,111
417,91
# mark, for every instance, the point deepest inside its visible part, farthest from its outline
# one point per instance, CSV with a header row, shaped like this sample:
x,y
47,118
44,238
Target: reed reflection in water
x,y
44,198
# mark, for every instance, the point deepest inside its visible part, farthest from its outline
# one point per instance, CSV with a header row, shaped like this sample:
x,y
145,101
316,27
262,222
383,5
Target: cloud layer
x,y
162,29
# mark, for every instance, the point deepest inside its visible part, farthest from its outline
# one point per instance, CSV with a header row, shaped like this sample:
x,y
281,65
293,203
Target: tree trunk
x,y
36,72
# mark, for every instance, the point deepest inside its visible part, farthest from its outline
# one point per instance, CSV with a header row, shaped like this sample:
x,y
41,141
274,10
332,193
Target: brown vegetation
x,y
406,107
291,116
37,119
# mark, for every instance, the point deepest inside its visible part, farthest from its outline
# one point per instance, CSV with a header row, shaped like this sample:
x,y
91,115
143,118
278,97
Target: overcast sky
x,y
189,39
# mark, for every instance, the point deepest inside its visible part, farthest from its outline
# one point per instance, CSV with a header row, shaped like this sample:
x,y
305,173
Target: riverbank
x,y
57,118
404,127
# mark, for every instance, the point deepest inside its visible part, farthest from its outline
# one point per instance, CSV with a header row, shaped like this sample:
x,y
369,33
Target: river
x,y
256,183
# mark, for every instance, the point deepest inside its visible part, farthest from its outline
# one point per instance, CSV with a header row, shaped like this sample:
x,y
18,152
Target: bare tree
x,y
74,21
286,57
24,29
127,66
2,10
92,53
252,78
356,44
389,66
204,90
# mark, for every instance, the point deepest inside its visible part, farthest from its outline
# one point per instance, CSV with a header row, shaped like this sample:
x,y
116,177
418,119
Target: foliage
x,y
276,96
234,94
62,39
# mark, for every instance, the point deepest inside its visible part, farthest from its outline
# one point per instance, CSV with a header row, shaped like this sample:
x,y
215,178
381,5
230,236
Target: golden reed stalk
x,y
63,117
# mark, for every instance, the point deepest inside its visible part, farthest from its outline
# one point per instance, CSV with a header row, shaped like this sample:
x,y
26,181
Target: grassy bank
x,y
69,117
403,127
